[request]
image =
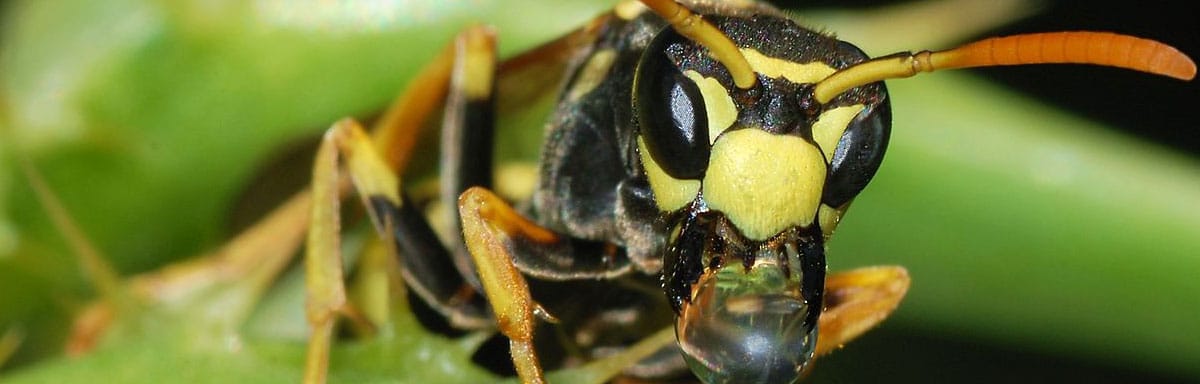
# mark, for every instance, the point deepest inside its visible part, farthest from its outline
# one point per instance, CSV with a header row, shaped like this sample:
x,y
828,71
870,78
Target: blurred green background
x,y
1044,245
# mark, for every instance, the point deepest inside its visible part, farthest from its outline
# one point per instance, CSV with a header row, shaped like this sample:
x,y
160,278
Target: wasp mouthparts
x,y
747,326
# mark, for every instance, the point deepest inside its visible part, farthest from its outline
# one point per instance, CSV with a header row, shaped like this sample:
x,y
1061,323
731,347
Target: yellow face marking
x,y
592,73
669,193
719,106
828,129
764,183
794,72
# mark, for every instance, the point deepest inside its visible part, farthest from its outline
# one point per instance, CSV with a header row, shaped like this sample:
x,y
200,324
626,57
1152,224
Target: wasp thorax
x,y
747,326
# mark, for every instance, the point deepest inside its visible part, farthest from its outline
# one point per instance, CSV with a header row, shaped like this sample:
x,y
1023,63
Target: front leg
x,y
489,227
856,301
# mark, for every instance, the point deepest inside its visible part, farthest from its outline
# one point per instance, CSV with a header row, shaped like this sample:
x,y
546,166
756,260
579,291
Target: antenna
x,y
1098,48
695,28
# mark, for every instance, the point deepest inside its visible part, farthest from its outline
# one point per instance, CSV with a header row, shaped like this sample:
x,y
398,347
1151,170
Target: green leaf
x,y
1032,229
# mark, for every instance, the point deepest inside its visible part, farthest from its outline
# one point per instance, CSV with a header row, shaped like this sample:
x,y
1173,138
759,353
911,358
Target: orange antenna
x,y
695,28
1098,48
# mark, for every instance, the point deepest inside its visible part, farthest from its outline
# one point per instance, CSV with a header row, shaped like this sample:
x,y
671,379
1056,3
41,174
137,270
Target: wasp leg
x,y
497,238
856,301
489,225
467,140
427,267
437,274
468,131
440,274
326,293
425,264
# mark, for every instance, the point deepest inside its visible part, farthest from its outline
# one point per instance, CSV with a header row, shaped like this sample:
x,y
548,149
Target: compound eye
x,y
670,111
746,328
859,152
860,149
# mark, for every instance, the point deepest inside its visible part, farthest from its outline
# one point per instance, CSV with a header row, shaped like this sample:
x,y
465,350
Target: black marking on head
x,y
811,246
776,104
684,263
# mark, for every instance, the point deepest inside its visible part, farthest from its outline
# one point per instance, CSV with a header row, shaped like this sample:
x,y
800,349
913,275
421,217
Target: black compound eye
x,y
860,149
859,152
670,111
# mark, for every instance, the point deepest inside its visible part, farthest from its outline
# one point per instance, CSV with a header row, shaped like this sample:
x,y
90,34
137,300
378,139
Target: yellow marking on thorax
x,y
516,180
764,183
830,126
717,103
670,193
793,71
629,9
592,73
741,4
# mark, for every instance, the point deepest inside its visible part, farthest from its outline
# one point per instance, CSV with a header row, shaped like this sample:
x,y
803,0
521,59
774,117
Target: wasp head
x,y
754,180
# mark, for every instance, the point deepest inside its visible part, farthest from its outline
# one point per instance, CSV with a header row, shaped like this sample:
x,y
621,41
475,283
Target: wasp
x,y
699,157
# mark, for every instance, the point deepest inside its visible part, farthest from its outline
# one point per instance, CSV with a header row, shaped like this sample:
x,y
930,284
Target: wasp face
x,y
754,181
